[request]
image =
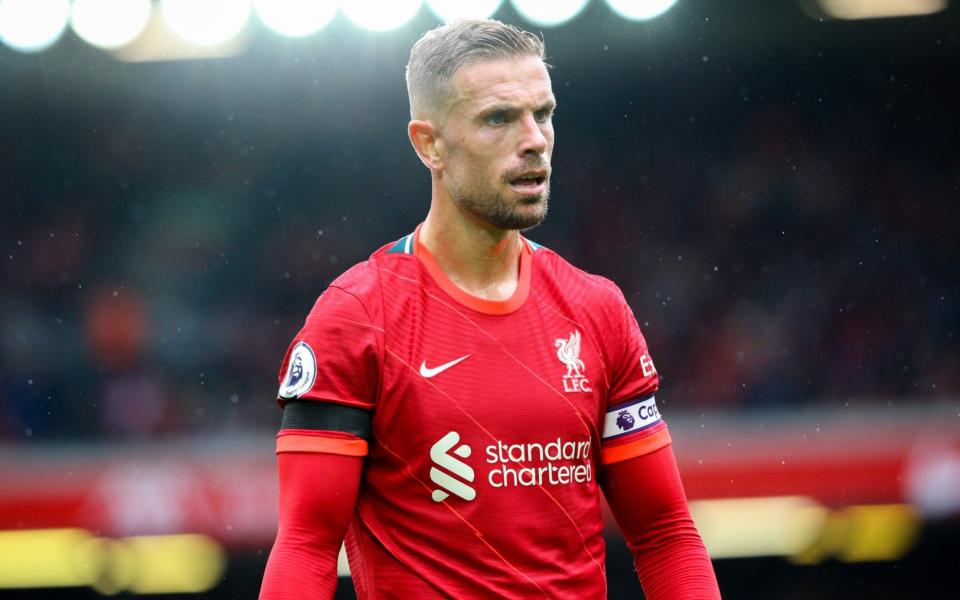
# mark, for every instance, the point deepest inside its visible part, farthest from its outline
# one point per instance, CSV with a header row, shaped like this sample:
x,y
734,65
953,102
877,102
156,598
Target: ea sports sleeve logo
x,y
301,372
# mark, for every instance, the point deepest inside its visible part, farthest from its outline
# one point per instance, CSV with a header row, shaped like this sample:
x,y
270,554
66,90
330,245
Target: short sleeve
x,y
632,423
335,357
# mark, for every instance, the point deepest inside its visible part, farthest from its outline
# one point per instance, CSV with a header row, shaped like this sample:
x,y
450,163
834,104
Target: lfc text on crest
x,y
568,352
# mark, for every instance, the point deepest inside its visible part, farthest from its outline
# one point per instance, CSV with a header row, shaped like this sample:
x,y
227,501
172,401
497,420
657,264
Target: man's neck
x,y
480,260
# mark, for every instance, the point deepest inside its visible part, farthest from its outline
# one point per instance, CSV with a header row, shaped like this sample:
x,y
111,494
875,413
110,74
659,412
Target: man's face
x,y
497,141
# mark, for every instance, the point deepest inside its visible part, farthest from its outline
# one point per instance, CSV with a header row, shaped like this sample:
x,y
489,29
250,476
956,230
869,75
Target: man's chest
x,y
528,377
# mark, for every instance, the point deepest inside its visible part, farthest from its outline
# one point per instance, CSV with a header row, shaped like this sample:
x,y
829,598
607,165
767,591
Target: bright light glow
x,y
343,564
742,527
160,564
206,22
872,532
377,15
880,532
295,18
640,10
33,558
168,564
874,9
109,23
549,13
448,10
32,25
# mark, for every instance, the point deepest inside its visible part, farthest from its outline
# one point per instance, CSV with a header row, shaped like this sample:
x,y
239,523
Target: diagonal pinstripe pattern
x,y
588,425
526,521
493,438
480,537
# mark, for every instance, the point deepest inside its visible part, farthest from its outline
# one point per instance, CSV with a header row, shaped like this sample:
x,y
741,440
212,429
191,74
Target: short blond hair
x,y
441,51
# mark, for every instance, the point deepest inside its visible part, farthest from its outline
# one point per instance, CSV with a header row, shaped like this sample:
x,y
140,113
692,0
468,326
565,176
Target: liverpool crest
x,y
568,351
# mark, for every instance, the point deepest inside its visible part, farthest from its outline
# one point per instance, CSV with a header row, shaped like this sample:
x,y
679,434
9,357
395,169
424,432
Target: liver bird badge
x,y
568,352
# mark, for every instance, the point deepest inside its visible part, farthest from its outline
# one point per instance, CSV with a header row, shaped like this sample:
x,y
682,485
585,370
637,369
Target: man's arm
x,y
320,461
647,499
317,497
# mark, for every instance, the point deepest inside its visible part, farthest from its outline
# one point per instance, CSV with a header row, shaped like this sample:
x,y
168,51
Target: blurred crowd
x,y
778,251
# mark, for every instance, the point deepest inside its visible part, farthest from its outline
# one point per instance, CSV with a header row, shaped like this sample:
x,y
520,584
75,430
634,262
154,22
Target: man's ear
x,y
426,141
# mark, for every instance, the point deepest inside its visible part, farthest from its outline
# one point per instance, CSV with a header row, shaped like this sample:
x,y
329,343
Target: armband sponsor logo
x,y
301,372
635,416
556,462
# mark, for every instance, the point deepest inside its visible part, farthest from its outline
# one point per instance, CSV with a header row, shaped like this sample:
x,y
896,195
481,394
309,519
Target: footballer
x,y
454,406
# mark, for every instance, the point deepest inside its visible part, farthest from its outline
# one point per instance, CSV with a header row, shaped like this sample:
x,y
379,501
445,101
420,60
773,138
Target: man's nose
x,y
533,140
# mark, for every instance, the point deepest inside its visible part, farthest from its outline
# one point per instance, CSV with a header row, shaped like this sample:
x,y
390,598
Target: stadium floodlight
x,y
149,564
640,10
295,18
448,10
876,9
760,526
32,25
549,13
377,15
206,22
48,558
109,23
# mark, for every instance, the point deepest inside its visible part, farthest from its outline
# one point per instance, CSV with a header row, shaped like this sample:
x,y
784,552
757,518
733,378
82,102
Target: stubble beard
x,y
490,206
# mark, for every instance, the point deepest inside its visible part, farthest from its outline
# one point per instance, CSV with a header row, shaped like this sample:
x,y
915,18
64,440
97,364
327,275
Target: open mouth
x,y
531,183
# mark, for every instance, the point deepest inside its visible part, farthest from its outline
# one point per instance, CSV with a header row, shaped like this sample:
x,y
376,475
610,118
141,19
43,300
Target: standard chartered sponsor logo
x,y
557,462
439,456
554,463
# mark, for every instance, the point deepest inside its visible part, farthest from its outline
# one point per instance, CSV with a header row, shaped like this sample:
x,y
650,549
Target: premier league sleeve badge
x,y
301,372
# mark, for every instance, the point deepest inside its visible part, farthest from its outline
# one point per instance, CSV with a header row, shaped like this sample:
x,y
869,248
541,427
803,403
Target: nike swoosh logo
x,y
428,373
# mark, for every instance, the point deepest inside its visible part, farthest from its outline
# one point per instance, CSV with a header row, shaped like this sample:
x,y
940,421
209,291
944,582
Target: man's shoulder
x,y
362,280
569,276
359,280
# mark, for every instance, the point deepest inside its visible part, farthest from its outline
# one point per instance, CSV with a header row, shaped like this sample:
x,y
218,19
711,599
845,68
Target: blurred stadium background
x,y
774,185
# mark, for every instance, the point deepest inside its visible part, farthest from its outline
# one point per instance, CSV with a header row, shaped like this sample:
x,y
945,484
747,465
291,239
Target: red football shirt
x,y
490,421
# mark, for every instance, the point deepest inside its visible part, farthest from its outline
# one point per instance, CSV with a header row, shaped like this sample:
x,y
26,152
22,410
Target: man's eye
x,y
543,115
497,118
